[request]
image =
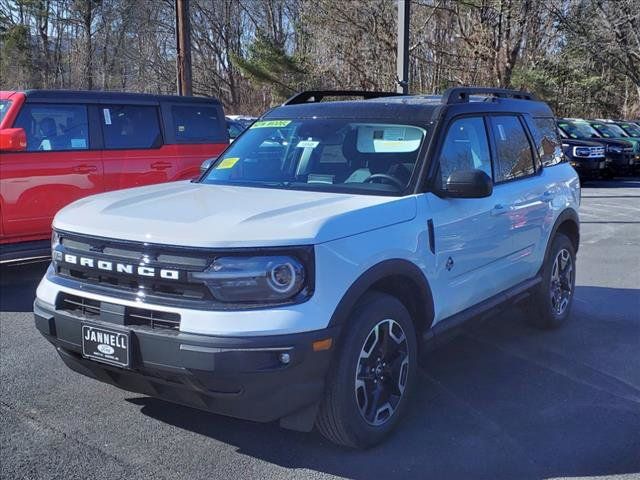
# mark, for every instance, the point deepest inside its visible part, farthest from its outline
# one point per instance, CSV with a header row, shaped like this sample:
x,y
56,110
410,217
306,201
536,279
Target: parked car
x,y
619,153
60,146
294,281
236,124
632,129
234,128
588,158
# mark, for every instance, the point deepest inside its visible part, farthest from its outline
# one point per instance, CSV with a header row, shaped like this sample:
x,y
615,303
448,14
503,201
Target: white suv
x,y
296,279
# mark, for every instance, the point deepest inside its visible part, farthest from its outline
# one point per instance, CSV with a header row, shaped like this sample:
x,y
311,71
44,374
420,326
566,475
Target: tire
x,y
550,303
343,410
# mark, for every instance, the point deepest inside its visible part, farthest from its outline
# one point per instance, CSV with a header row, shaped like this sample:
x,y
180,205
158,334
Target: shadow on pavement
x,y
501,400
623,182
18,284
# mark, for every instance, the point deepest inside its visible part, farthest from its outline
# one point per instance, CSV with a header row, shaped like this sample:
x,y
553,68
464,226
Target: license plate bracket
x,y
106,345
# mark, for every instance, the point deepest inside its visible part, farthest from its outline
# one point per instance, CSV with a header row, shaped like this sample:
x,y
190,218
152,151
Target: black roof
x,y
415,107
100,96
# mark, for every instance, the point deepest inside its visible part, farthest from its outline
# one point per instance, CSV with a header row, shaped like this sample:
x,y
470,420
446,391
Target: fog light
x,y
284,358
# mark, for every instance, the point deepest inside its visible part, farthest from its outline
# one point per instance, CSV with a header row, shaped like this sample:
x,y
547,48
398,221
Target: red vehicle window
x,y
53,127
130,126
195,123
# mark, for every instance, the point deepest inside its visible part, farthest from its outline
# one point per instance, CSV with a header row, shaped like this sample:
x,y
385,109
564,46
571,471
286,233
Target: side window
x,y
465,148
130,126
51,127
514,156
547,141
195,123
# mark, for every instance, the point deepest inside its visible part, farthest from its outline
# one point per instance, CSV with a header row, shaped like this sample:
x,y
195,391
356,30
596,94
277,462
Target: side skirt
x,y
447,327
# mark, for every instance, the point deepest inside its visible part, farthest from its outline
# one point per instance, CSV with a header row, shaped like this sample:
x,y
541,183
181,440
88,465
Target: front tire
x,y
550,303
372,375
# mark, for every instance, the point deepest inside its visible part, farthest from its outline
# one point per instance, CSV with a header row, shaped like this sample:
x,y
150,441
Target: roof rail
x,y
315,96
461,94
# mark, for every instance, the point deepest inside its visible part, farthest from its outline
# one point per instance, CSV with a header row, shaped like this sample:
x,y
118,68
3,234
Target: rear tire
x,y
372,375
550,303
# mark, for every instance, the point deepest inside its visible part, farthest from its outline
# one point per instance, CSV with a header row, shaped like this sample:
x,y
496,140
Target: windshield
x,y
609,130
578,130
630,129
322,154
4,108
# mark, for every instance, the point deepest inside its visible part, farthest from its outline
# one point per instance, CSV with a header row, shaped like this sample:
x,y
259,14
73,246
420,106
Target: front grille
x,y
79,306
132,256
95,310
151,289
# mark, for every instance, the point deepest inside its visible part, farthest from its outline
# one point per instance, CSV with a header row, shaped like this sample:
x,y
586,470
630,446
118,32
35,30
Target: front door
x,y
472,236
57,168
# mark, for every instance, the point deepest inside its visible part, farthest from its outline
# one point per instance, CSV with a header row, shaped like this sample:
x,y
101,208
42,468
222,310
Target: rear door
x,y
134,151
472,236
58,167
526,194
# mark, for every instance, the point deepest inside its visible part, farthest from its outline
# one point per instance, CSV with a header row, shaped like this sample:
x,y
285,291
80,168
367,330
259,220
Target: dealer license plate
x,y
105,345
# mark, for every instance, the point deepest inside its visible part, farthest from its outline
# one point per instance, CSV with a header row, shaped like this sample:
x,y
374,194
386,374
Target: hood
x,y
580,143
610,141
217,216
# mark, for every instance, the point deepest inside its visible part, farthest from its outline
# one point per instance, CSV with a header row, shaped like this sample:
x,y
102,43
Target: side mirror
x,y
13,140
204,166
468,184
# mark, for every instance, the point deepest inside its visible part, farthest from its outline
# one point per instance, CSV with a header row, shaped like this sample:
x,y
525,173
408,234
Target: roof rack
x,y
461,94
315,96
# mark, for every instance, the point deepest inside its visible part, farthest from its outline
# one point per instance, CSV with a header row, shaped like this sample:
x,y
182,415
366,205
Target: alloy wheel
x,y
561,282
381,372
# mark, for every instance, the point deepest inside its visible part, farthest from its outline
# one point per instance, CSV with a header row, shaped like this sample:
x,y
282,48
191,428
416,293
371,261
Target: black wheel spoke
x,y
381,372
561,281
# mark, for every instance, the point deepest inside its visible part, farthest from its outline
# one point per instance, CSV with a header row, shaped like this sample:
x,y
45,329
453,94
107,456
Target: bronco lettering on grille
x,y
122,268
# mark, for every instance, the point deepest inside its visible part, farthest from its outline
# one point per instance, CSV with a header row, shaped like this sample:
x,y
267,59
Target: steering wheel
x,y
384,176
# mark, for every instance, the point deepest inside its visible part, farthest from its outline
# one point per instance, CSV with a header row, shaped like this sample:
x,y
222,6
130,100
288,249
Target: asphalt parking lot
x,y
500,401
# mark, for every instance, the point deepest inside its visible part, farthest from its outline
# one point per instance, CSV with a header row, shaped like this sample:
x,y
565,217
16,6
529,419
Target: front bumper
x,y
622,162
241,377
591,166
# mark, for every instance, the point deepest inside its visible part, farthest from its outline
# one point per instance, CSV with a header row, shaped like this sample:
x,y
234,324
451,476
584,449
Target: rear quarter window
x,y
198,124
547,141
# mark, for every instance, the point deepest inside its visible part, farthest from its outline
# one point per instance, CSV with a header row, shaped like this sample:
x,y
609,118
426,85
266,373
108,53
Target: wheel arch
x,y
399,278
568,224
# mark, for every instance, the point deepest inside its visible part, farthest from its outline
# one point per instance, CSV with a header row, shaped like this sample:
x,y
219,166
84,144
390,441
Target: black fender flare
x,y
570,215
380,271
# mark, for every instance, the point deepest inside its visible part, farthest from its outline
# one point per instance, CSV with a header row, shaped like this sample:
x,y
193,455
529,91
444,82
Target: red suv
x,y
59,146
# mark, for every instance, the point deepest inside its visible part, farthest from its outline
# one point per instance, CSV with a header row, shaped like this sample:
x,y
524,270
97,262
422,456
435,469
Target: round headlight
x,y
260,279
282,277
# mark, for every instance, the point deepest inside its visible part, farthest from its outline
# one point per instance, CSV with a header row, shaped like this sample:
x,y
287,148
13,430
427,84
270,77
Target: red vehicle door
x,y
57,168
134,152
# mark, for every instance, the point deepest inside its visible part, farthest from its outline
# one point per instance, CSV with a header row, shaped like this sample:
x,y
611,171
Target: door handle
x,y
160,165
547,196
85,169
500,209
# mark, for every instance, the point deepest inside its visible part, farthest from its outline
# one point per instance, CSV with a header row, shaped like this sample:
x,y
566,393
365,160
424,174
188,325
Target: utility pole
x,y
183,48
402,59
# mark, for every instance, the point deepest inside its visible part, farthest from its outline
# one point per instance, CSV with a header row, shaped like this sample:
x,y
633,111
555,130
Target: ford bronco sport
x,y
295,280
